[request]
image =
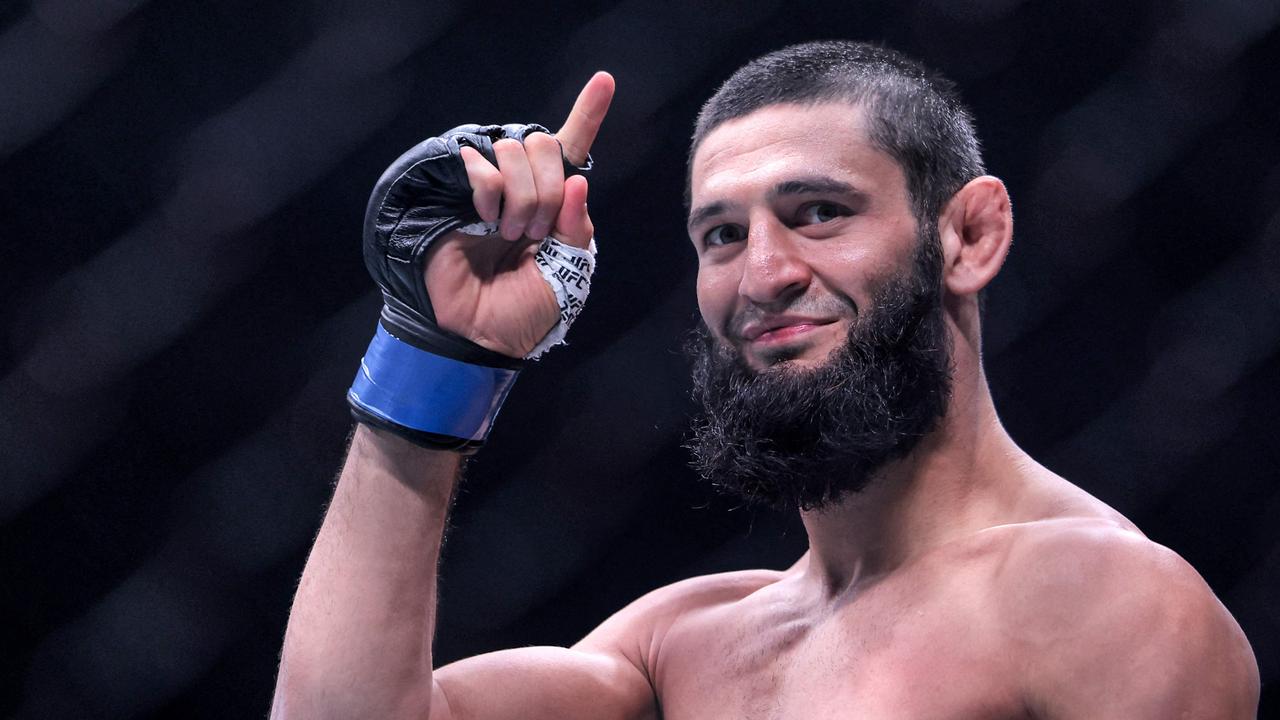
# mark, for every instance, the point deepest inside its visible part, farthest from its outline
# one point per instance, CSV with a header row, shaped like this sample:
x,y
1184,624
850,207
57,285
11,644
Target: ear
x,y
976,229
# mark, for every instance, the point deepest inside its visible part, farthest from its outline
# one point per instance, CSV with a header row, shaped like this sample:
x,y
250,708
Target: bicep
x,y
604,677
544,682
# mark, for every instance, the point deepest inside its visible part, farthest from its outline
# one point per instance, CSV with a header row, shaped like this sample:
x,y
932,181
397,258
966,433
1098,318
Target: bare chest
x,y
892,657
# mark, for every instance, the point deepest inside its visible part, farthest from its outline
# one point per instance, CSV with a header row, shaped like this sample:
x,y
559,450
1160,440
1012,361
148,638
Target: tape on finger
x,y
566,269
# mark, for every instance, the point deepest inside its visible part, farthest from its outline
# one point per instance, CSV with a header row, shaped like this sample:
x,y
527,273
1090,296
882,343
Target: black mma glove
x,y
431,386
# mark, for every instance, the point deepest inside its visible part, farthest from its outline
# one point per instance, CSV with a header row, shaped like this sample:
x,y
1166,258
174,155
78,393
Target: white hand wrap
x,y
566,269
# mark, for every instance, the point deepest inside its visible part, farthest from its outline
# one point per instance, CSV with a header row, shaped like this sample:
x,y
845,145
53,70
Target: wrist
x,y
428,399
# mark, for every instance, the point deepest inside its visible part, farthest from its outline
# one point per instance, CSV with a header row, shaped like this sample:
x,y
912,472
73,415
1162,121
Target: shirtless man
x,y
844,229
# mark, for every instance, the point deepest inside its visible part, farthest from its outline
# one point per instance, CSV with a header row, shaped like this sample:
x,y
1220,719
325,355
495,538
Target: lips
x,y
780,327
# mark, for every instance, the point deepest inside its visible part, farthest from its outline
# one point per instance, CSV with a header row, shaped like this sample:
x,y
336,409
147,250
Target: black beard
x,y
793,438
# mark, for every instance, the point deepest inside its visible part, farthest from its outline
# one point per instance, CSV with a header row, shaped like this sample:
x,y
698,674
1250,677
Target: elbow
x,y
300,695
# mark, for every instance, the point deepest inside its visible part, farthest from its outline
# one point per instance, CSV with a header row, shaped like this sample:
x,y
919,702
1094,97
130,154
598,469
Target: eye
x,y
820,212
723,235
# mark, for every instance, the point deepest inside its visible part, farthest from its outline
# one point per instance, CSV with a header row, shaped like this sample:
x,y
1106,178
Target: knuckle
x,y
539,141
508,156
506,145
477,165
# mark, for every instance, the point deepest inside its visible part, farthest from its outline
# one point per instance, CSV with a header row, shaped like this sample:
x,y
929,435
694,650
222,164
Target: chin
x,y
793,359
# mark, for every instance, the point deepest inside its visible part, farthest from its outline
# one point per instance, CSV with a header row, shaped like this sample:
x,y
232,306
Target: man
x,y
844,230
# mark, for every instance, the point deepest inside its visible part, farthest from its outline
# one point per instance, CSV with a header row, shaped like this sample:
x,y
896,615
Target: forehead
x,y
781,141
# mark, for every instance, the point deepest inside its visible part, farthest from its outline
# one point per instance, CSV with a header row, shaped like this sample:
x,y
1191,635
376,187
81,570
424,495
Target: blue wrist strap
x,y
416,389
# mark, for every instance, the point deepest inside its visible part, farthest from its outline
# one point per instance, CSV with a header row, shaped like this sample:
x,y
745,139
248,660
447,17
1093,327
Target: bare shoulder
x,y
1058,568
710,589
1095,601
645,622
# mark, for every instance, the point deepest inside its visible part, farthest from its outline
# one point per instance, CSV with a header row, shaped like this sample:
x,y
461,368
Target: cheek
x,y
855,271
716,293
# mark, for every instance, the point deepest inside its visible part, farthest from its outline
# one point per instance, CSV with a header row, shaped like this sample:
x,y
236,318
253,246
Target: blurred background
x,y
184,304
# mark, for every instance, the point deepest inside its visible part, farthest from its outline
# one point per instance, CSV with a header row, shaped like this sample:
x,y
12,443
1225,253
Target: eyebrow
x,y
816,184
811,185
703,212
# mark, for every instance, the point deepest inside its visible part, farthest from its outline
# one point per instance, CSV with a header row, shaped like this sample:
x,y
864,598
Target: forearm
x,y
358,643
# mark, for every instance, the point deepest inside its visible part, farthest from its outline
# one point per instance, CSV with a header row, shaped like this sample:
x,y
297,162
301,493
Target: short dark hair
x,y
914,114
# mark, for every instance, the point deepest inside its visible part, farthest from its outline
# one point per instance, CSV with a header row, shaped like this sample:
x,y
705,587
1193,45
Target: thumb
x,y
573,224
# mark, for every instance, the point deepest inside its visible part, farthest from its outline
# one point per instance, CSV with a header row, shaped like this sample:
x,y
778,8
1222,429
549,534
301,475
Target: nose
x,y
775,271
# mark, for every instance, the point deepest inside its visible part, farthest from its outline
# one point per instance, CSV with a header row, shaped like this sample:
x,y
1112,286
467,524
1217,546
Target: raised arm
x,y
359,638
358,642
461,310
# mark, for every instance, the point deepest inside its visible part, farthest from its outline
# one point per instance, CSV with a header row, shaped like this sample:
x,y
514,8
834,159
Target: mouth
x,y
779,331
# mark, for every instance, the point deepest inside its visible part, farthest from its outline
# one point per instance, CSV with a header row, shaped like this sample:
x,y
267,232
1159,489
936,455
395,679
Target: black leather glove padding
x,y
423,195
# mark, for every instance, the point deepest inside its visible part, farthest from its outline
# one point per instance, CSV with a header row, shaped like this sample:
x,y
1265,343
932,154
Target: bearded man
x,y
845,230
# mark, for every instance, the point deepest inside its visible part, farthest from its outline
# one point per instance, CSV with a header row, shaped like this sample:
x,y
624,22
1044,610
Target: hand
x,y
488,289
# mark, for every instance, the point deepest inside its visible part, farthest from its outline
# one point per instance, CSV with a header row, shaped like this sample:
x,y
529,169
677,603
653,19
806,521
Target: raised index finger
x,y
584,120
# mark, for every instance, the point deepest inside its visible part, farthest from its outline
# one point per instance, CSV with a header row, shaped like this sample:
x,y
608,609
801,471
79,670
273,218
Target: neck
x,y
955,482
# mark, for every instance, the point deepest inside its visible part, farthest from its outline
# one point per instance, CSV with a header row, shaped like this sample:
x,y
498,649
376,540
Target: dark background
x,y
183,306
